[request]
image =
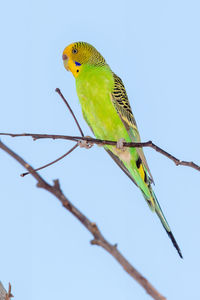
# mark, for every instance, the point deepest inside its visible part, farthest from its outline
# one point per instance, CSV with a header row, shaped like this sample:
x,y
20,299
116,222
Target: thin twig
x,y
71,111
90,226
53,162
9,295
150,144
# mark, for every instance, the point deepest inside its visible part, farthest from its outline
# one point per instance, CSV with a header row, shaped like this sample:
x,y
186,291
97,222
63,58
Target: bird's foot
x,y
120,144
85,144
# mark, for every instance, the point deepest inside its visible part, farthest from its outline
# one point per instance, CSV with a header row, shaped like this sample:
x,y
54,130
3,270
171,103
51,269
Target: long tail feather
x,y
152,202
163,220
174,243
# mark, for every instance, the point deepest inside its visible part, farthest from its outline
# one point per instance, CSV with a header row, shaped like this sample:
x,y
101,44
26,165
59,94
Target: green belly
x,y
94,86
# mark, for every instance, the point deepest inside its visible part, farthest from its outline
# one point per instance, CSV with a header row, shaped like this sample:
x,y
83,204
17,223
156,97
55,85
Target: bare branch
x,y
90,226
53,162
3,292
71,111
37,136
150,144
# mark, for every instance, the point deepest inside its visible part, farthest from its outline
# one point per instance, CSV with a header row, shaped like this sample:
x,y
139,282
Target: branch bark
x,y
178,162
90,226
2,292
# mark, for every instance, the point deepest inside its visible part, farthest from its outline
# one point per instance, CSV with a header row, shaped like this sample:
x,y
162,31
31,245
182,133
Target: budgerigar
x,y
107,111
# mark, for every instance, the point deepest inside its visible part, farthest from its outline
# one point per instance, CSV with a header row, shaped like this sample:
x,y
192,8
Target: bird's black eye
x,y
74,51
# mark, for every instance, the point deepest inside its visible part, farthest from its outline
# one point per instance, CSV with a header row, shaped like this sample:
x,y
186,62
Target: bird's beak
x,y
65,61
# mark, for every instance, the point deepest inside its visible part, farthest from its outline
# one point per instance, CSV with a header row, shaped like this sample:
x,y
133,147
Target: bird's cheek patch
x,y
73,66
77,63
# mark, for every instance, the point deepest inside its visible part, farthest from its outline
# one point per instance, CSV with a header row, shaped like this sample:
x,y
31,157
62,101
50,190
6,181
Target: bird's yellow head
x,y
80,53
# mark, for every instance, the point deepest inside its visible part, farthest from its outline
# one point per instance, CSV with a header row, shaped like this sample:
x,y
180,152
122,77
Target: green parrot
x,y
106,109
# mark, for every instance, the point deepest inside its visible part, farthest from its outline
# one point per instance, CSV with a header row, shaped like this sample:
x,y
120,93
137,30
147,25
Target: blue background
x,y
45,252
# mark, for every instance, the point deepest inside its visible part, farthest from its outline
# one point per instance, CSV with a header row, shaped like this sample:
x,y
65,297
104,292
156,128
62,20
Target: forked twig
x,y
91,227
150,144
36,136
9,295
53,162
73,148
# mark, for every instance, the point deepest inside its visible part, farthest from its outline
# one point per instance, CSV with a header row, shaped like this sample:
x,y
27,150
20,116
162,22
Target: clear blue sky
x,y
154,47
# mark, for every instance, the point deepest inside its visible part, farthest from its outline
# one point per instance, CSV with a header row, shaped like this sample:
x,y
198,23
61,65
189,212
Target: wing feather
x,y
122,105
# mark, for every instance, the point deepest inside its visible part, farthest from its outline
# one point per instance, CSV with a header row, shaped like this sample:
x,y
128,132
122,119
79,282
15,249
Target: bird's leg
x,y
85,144
120,144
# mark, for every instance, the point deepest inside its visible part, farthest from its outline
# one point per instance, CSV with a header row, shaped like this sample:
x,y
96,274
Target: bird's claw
x,y
120,144
85,144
